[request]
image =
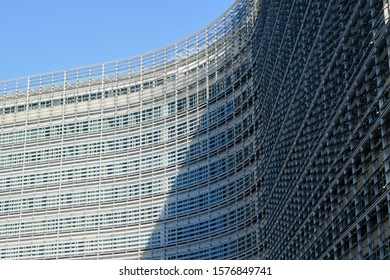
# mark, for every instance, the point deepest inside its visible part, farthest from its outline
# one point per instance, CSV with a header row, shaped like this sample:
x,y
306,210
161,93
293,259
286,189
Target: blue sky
x,y
43,36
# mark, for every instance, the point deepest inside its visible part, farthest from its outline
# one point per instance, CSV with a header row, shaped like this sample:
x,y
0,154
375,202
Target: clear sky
x,y
47,35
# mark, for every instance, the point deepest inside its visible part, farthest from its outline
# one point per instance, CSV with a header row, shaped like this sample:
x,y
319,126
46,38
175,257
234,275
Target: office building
x,y
264,135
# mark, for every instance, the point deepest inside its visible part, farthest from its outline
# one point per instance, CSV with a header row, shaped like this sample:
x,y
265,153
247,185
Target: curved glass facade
x,y
264,135
147,157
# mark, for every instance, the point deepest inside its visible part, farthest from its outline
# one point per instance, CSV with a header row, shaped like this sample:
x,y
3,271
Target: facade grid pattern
x,y
264,135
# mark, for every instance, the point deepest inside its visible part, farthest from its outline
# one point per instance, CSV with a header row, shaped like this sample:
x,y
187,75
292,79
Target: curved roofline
x,y
135,57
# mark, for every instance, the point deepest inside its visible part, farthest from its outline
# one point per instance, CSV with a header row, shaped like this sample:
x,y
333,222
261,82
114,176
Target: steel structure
x,y
264,135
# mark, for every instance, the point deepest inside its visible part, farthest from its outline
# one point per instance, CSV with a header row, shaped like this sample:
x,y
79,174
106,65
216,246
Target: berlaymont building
x,y
265,135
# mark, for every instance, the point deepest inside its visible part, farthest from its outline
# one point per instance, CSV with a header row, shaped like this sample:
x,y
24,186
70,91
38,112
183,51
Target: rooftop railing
x,y
240,15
